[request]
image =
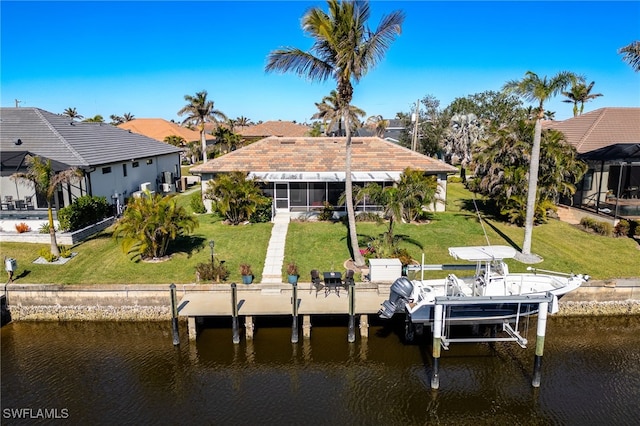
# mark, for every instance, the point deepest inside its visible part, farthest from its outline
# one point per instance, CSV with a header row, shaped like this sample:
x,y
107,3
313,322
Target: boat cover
x,y
482,253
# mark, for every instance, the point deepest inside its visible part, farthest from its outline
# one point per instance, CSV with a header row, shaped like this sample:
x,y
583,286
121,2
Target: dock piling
x,y
364,325
306,326
437,335
174,315
234,313
294,303
351,334
540,333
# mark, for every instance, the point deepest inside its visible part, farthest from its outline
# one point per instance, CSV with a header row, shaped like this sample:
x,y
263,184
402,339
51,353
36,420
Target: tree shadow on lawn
x,y
488,211
187,244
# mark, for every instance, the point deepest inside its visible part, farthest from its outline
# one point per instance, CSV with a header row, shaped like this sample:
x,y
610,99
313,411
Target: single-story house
x,y
608,140
302,173
159,129
116,163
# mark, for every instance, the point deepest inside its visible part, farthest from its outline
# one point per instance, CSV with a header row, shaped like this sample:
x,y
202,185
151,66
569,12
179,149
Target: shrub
x,y
46,254
196,203
368,217
602,228
22,227
622,228
150,223
327,212
65,251
216,271
84,211
263,211
44,228
587,222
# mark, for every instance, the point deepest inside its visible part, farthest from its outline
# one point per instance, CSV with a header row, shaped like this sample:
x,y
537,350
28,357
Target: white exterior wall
x,y
108,184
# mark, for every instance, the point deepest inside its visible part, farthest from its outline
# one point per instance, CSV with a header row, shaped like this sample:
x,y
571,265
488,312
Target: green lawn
x,y
323,246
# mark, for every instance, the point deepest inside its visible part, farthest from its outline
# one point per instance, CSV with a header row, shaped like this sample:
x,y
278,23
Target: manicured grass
x,y
323,246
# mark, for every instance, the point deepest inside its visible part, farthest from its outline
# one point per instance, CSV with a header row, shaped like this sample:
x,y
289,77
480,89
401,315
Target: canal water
x,y
130,373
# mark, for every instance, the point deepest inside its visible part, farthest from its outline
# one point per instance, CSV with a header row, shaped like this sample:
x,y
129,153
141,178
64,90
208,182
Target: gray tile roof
x,y
78,144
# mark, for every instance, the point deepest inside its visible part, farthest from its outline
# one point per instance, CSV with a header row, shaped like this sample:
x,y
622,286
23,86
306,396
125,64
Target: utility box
x,y
10,264
384,270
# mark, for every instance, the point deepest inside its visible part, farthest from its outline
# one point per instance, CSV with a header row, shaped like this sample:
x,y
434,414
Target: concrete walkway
x,y
272,272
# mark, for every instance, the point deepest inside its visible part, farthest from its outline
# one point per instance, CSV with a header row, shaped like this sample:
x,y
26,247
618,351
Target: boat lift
x,y
547,303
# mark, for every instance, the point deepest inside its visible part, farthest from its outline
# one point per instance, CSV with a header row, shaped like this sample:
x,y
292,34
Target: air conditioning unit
x,y
168,188
146,186
137,194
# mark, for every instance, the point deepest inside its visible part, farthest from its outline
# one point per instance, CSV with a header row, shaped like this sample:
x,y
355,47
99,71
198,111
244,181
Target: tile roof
x,y
158,129
600,128
324,154
274,128
78,144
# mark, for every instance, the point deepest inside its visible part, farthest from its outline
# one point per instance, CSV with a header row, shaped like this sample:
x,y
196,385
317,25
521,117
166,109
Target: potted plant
x,y
292,271
247,275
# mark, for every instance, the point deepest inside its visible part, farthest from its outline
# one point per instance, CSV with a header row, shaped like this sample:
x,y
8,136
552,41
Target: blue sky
x,y
141,58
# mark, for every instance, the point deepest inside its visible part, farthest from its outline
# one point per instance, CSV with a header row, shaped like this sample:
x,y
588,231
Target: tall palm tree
x,y
330,114
242,121
536,89
128,116
344,49
378,124
199,111
631,55
72,114
41,176
579,94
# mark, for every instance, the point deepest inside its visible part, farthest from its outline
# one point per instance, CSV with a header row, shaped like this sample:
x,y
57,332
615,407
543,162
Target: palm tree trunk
x,y
358,259
204,144
52,231
533,186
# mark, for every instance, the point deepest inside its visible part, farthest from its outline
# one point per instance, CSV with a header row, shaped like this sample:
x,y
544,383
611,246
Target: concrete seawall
x,y
151,302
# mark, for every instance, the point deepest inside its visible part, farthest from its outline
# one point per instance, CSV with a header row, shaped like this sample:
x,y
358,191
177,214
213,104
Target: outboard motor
x,y
400,292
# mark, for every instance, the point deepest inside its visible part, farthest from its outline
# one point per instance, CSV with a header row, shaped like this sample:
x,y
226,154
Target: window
x,y
135,164
586,184
106,170
124,170
150,161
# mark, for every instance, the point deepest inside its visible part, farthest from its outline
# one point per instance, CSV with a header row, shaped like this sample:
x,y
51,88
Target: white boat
x,y
493,295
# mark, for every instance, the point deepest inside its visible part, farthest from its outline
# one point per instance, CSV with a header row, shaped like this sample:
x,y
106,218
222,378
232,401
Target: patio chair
x,y
7,203
28,202
348,278
316,282
20,205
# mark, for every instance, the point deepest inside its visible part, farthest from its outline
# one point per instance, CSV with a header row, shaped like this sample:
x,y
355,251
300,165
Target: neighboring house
x,y
302,173
116,162
608,139
159,129
272,128
392,133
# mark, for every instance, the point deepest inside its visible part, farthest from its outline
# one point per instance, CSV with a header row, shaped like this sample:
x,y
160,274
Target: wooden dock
x,y
277,299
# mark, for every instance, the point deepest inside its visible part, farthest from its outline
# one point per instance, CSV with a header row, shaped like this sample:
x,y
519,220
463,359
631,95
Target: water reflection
x,y
131,373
